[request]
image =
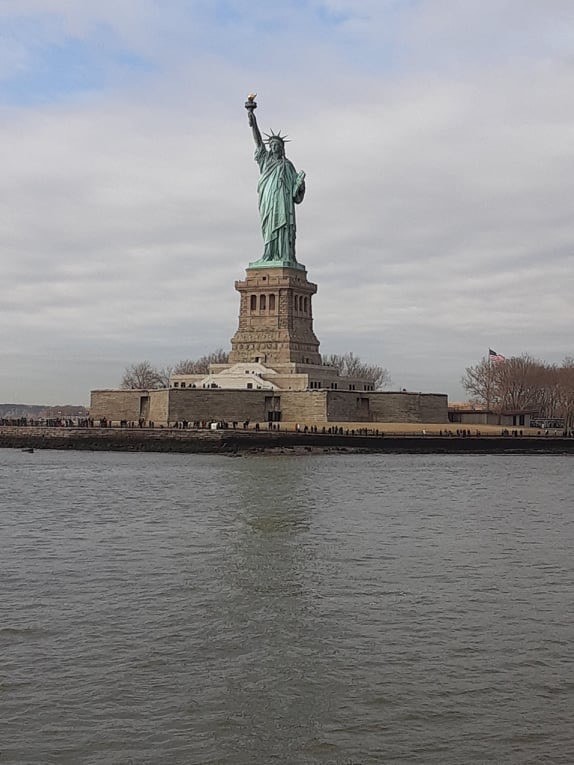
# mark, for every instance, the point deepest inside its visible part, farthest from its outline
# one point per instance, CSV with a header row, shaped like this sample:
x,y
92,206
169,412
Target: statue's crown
x,y
276,137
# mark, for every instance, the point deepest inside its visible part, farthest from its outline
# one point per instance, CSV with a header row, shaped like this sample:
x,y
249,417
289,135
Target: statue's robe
x,y
278,194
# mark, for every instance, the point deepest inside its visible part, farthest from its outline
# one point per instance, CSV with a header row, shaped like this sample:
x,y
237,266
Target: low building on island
x,y
469,413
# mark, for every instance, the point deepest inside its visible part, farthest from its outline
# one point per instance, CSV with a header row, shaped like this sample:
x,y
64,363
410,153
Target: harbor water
x,y
169,608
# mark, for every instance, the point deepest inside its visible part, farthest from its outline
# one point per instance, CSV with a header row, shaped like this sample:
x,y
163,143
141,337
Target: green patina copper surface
x,y
280,188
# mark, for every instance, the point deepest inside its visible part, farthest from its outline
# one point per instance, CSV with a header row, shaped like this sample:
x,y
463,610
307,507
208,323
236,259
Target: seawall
x,y
237,441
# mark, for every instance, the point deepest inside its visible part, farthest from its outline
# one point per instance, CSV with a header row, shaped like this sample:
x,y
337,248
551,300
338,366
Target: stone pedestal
x,y
275,318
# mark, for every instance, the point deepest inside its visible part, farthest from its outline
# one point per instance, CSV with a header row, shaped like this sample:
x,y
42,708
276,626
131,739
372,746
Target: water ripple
x,y
299,610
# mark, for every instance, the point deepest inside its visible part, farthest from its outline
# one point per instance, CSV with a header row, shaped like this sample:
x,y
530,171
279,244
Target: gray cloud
x,y
437,221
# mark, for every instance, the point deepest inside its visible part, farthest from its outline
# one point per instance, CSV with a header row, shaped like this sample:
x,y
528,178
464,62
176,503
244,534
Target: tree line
x,y
523,383
143,374
349,365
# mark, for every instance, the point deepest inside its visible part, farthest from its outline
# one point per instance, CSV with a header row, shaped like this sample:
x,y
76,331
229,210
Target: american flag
x,y
495,357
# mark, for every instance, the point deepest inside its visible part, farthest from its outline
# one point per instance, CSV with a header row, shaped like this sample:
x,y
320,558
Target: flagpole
x,y
488,390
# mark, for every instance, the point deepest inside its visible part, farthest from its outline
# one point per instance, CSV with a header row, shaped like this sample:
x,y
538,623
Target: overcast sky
x,y
438,141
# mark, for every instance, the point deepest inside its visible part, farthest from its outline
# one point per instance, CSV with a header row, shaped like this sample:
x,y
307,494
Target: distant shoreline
x,y
276,442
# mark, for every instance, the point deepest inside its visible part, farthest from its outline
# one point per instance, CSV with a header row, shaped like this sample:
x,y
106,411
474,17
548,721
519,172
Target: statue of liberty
x,y
280,188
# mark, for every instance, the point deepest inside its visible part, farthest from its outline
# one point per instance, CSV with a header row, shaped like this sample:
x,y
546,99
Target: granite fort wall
x,y
191,404
130,405
303,406
116,404
159,402
348,406
220,404
408,407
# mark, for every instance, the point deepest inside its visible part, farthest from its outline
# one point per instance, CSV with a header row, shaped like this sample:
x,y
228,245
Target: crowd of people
x,y
89,422
52,422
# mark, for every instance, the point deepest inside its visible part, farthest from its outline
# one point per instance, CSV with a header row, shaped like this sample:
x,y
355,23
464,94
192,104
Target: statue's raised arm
x,y
251,105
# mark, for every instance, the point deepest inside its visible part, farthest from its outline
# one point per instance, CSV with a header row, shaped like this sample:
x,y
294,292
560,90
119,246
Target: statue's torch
x,y
251,105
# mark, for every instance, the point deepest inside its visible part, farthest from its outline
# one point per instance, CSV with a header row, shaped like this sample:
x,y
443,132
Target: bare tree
x,y
144,375
164,374
186,367
517,383
201,365
141,375
549,397
566,391
520,382
349,365
480,382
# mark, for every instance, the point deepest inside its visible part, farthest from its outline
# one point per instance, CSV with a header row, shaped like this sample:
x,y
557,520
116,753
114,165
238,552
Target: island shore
x,y
361,437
